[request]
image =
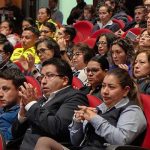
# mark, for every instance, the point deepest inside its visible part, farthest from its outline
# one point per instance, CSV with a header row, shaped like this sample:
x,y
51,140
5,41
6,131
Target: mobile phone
x,y
131,36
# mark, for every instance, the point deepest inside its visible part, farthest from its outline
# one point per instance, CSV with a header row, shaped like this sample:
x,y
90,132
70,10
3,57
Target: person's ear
x,y
126,91
66,80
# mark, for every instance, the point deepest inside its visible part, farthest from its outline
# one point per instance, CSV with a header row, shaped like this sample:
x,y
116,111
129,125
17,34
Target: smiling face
x,y
111,90
9,95
118,55
141,66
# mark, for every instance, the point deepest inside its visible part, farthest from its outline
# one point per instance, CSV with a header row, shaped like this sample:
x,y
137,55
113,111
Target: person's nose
x,y
1,94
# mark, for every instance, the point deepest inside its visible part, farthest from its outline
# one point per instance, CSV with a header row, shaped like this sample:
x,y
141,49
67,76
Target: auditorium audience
x,y
53,53
50,115
109,122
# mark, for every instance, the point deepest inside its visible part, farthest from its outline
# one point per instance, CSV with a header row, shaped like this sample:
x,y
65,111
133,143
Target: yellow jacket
x,y
40,25
18,52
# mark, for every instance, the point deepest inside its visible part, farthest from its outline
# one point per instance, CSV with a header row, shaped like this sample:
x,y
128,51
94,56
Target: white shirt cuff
x,y
27,107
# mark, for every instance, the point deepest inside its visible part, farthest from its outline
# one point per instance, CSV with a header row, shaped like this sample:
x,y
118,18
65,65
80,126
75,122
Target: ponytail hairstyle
x,y
125,80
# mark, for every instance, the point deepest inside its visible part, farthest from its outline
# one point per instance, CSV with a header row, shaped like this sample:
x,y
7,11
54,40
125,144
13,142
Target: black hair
x,y
102,60
34,30
51,44
3,37
50,25
70,30
15,75
7,46
31,21
63,68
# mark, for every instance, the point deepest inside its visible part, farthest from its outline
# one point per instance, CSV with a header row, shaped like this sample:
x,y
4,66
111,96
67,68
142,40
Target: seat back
x,y
78,38
77,83
93,100
84,27
97,33
35,84
145,99
119,22
129,18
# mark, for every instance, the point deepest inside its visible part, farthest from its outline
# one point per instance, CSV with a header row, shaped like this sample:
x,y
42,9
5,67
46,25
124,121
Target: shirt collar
x,y
110,22
121,103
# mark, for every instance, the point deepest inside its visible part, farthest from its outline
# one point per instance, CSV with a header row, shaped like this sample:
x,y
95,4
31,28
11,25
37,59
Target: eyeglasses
x,y
41,51
49,76
45,31
92,70
101,42
76,54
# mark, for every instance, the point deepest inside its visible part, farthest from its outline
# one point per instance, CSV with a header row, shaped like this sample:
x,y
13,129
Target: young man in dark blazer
x,y
51,115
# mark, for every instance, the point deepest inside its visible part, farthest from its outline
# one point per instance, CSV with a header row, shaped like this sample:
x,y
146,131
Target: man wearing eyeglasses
x,y
51,115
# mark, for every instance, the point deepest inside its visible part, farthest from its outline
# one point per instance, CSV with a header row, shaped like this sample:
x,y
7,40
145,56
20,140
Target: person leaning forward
x,y
51,115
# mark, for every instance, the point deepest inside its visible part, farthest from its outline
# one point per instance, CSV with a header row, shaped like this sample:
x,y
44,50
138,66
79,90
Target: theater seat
x,y
90,42
84,27
93,100
119,22
97,33
78,38
145,99
77,83
35,84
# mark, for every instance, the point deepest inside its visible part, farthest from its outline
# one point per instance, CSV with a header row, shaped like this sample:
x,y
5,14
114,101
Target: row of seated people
x,y
51,115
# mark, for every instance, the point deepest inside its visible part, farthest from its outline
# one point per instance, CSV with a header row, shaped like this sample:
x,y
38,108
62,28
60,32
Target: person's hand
x,y
89,112
27,64
28,93
62,43
123,66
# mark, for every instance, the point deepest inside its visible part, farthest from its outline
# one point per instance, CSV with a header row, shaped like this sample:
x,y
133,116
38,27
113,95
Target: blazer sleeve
x,y
54,124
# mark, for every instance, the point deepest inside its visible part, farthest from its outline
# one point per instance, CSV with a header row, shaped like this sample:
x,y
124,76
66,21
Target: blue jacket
x,y
7,117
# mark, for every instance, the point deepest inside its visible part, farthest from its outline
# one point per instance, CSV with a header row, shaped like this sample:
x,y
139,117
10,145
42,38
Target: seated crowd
x,y
112,63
